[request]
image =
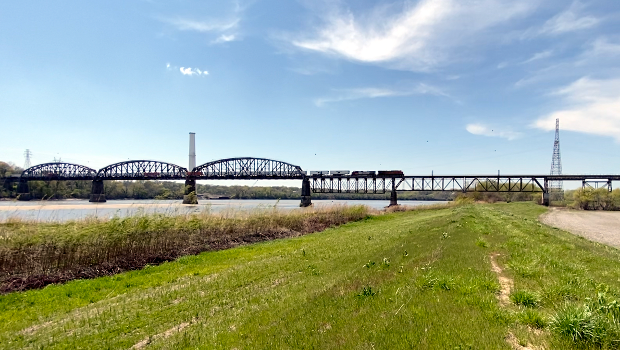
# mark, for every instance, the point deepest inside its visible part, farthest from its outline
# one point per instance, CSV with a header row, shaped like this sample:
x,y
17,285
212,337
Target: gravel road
x,y
598,226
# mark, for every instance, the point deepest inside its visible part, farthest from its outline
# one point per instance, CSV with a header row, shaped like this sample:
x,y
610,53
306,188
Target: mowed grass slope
x,y
419,279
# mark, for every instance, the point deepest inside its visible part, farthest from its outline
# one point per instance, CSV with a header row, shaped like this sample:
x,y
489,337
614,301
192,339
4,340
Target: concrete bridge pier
x,y
97,192
306,194
190,192
23,192
393,196
546,199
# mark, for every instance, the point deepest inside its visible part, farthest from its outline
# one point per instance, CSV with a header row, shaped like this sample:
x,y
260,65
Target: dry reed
x,y
33,255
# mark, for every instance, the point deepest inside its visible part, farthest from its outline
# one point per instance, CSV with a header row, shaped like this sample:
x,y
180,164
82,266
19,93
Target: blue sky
x,y
434,85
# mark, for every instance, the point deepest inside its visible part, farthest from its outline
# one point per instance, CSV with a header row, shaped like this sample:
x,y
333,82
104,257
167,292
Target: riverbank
x,y
34,255
474,276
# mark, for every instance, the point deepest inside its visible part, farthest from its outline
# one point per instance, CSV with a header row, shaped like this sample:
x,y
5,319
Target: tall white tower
x,y
192,151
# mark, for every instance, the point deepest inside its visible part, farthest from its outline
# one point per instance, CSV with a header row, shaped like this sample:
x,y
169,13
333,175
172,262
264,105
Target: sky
x,y
443,86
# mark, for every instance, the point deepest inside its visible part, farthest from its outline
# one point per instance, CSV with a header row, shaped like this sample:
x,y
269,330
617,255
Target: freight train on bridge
x,y
334,181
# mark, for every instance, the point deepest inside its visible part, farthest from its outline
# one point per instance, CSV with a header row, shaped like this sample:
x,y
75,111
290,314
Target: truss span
x,y
142,170
353,184
59,171
247,168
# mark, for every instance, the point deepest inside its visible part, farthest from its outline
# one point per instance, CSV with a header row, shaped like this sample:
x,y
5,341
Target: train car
x,y
319,172
339,172
391,172
151,174
363,173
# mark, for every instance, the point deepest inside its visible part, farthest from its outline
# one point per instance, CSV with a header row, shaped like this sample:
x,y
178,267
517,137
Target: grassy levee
x,y
418,279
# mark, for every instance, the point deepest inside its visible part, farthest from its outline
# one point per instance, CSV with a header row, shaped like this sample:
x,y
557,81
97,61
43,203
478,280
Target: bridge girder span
x,y
142,170
247,168
59,171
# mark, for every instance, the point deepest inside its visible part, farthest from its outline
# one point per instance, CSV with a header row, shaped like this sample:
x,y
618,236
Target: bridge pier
x,y
190,192
545,195
23,192
97,192
393,196
306,194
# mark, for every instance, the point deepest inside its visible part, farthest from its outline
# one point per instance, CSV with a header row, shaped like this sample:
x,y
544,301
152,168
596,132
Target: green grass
x,y
524,298
417,279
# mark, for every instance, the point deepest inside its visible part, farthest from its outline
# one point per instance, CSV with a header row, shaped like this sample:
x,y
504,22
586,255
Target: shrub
x,y
524,298
578,324
532,318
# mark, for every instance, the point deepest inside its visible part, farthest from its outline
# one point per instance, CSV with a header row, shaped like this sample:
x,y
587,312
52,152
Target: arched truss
x,y
59,171
247,168
142,170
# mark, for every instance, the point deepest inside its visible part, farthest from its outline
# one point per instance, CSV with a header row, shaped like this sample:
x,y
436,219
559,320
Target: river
x,y
59,211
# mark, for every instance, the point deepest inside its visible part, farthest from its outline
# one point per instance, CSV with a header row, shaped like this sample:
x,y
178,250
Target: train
x,y
357,173
391,172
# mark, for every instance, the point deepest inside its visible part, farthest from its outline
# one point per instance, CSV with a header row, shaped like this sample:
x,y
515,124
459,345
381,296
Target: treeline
x,y
593,199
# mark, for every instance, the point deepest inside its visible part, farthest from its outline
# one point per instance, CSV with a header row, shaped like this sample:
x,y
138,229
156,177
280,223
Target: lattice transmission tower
x,y
555,187
27,155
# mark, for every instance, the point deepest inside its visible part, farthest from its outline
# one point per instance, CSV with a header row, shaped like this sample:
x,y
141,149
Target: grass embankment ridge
x,y
33,255
420,279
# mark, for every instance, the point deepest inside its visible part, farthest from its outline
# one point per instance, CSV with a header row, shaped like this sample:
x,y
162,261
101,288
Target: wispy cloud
x,y
201,26
539,56
419,37
192,71
570,20
592,106
225,38
223,31
484,130
600,49
373,92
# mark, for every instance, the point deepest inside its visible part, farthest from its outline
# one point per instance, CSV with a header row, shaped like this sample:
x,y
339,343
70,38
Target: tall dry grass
x,y
33,255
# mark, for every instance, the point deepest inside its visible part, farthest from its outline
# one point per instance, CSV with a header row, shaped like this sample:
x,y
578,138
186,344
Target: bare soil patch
x,y
504,282
598,226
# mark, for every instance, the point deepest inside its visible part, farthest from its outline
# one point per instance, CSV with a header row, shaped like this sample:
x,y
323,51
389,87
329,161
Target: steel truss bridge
x,y
249,168
450,183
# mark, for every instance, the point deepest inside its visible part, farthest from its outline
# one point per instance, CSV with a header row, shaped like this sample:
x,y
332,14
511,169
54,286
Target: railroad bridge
x,y
249,168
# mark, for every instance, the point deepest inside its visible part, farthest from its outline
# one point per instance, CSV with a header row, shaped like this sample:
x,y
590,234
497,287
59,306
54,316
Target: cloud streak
x,y
225,30
418,38
539,56
185,24
374,92
484,130
593,107
569,21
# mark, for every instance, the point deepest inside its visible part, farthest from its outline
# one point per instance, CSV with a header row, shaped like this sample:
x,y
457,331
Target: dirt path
x,y
598,226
